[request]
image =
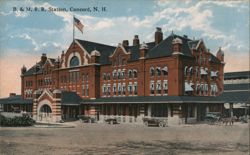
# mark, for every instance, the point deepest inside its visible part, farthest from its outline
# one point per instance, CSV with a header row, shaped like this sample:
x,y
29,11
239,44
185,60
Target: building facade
x,y
176,77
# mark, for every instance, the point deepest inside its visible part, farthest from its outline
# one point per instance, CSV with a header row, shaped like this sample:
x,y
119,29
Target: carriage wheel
x,y
146,123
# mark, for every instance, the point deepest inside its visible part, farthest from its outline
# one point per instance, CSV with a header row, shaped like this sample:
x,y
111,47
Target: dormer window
x,y
74,61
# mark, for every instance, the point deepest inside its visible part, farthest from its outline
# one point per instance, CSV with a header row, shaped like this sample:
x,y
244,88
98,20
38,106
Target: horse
x,y
229,120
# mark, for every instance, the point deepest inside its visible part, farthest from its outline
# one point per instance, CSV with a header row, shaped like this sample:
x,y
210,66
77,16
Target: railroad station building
x,y
174,77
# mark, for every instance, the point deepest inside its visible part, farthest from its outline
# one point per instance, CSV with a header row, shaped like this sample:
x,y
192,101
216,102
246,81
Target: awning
x,y
165,69
188,87
214,73
203,72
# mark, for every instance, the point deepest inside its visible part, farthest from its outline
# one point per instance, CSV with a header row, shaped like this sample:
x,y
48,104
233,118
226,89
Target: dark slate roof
x,y
192,44
164,48
214,59
241,86
70,98
38,68
237,75
154,99
135,50
105,50
15,100
235,97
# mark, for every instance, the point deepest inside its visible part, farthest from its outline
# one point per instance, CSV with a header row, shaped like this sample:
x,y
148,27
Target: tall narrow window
x,y
158,87
165,87
135,73
152,71
87,90
130,75
114,89
152,87
135,89
158,71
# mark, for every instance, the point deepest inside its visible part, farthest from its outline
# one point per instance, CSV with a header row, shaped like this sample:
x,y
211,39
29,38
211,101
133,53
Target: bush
x,y
24,120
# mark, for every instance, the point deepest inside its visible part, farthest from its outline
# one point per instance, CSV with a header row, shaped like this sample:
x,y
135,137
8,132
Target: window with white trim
x,y
119,89
123,89
158,71
152,88
135,88
158,87
130,89
114,89
152,71
130,74
135,73
165,87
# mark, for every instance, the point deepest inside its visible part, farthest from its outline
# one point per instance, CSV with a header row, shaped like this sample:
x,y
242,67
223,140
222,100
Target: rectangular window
x,y
83,90
130,90
123,89
114,89
135,89
158,87
152,87
165,87
87,90
108,89
104,90
119,89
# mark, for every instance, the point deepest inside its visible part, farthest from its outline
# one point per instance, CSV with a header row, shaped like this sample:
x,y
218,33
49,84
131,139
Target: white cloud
x,y
4,13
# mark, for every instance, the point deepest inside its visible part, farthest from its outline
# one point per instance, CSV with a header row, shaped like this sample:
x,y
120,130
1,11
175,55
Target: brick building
x,y
176,77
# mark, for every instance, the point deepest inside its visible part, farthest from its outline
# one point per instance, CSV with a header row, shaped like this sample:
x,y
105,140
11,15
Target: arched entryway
x,y
45,113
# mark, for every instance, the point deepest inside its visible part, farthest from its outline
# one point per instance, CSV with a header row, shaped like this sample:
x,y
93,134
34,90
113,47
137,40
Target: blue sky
x,y
26,35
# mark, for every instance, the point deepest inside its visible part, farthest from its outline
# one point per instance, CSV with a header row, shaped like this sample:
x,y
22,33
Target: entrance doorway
x,y
45,113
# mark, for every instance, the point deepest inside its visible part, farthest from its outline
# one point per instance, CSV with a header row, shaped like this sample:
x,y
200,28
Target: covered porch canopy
x,y
16,102
154,99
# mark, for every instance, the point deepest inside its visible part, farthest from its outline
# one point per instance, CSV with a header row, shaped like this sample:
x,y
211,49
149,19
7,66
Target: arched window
x,y
186,71
74,61
158,71
190,71
45,109
130,74
152,71
135,73
165,70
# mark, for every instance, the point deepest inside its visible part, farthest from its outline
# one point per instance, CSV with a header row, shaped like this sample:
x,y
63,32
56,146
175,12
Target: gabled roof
x,y
105,50
39,69
164,48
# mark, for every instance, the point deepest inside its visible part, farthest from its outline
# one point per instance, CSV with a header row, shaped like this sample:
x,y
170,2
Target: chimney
x,y
12,94
143,50
158,35
23,69
43,58
136,40
125,43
